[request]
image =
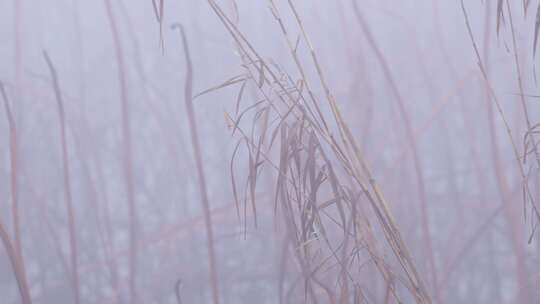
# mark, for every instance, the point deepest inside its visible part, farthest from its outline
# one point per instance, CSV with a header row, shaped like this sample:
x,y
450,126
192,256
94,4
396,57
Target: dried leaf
x,y
229,82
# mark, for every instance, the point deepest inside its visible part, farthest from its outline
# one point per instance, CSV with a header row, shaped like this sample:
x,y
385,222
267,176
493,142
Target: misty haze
x,y
269,152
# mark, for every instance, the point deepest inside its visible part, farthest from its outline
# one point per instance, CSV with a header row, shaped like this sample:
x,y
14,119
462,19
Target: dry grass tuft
x,y
320,174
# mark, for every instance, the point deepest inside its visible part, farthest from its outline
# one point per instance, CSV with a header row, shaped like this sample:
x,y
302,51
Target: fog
x,y
269,151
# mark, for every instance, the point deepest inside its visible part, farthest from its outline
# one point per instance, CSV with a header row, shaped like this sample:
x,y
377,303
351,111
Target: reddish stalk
x,y
16,265
14,175
14,252
67,182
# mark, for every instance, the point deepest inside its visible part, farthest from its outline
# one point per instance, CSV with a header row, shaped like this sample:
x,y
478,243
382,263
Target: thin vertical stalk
x,y
16,265
14,174
188,95
67,182
20,271
128,155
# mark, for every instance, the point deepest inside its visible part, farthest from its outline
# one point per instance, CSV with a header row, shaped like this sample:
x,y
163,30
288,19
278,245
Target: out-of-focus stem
x,y
18,46
67,183
487,33
13,175
15,263
188,95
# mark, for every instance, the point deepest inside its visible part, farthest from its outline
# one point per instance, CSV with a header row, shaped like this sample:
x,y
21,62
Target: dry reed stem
x,y
383,213
521,90
494,98
523,297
